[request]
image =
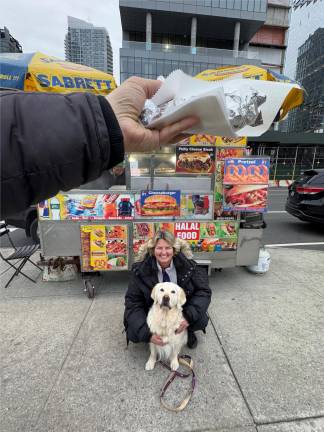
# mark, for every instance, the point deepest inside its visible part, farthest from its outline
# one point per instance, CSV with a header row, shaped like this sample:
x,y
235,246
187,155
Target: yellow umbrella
x,y
293,100
43,73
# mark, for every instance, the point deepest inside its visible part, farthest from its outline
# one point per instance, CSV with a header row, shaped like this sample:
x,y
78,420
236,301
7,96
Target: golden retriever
x,y
164,319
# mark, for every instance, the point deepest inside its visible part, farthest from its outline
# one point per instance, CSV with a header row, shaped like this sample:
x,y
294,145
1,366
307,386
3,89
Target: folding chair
x,y
21,255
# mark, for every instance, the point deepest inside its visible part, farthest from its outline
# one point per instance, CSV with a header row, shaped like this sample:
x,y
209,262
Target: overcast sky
x,y
41,25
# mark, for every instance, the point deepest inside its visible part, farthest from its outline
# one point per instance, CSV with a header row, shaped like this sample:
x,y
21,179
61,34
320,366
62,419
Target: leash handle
x,y
186,361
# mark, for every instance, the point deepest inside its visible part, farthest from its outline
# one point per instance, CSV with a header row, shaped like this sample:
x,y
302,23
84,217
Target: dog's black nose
x,y
166,299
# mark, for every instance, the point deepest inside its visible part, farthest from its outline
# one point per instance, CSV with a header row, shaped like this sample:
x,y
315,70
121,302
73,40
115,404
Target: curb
x,y
280,183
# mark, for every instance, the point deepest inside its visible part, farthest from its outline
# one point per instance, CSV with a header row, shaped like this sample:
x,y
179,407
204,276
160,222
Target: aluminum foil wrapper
x,y
244,109
150,112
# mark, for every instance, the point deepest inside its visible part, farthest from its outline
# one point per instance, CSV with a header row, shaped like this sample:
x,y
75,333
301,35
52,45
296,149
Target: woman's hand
x,y
183,325
157,340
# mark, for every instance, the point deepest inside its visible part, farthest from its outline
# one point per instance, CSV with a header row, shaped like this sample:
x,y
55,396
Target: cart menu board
x,y
88,207
160,203
218,141
195,160
142,232
246,184
104,247
214,236
222,141
248,198
244,171
170,205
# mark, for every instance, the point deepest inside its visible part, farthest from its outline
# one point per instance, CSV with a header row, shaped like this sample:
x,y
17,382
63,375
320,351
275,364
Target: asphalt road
x,y
282,228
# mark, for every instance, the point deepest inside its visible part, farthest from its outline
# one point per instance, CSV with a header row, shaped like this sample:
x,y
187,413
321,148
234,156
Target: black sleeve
x,y
197,305
135,313
52,142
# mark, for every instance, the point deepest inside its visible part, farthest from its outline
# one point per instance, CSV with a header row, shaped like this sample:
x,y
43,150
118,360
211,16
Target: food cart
x,y
180,189
206,190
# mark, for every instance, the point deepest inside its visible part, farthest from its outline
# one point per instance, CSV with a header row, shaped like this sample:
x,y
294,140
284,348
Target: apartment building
x,y
88,45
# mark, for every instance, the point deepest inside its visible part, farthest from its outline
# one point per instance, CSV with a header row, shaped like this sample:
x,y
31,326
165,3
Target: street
x,y
282,228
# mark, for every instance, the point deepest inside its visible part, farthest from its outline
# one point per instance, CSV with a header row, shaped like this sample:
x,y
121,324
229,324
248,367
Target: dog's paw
x,y
174,365
149,365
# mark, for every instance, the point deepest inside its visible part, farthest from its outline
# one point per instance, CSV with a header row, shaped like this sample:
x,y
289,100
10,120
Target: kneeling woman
x,y
166,259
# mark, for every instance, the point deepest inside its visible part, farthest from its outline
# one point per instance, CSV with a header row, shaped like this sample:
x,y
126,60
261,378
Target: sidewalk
x,y
260,368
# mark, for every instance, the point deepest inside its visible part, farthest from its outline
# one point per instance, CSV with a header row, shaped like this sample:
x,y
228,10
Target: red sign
x,y
187,230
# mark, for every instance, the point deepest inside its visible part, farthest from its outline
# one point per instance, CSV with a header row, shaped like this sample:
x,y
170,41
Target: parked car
x,y
306,196
26,220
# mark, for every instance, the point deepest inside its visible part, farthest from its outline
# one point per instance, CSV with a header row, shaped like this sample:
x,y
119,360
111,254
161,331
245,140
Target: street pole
x,y
294,169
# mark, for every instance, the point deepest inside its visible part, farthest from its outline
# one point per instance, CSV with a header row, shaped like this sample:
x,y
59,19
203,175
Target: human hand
x,y
183,325
157,340
127,102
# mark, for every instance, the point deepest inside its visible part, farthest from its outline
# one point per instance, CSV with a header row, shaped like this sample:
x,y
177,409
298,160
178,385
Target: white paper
x,y
232,107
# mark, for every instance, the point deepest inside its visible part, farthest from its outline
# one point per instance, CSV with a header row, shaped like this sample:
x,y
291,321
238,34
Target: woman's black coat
x,y
144,276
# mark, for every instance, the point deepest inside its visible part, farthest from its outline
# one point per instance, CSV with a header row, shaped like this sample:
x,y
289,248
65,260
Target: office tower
x,y
310,73
193,35
8,43
306,17
88,45
270,42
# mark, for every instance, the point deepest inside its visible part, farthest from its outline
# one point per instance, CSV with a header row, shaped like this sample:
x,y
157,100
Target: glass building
x,y
160,36
88,45
310,73
8,43
306,17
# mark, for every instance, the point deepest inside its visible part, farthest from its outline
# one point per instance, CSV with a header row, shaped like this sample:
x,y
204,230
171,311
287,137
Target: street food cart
x,y
183,189
206,190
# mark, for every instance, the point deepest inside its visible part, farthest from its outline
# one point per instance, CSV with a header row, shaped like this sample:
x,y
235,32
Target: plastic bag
x,y
57,271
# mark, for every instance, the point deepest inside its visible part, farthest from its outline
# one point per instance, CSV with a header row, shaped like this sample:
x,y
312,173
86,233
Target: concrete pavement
x,y
65,366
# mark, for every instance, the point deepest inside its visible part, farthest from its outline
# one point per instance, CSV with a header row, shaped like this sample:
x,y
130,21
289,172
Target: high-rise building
x,y
271,40
88,45
310,73
306,17
193,35
8,43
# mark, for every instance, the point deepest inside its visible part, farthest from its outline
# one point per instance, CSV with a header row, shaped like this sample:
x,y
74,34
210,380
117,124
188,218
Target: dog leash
x,y
186,361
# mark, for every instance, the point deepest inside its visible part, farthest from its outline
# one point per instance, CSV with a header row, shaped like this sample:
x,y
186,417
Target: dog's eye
x,y
172,292
162,289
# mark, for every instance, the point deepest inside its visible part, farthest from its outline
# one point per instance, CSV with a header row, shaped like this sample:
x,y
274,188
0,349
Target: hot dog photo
x,y
245,197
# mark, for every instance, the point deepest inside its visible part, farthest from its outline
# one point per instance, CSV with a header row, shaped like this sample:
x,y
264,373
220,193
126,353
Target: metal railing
x,y
185,49
288,163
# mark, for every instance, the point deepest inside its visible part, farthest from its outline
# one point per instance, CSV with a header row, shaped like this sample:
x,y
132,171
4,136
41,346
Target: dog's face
x,y
168,295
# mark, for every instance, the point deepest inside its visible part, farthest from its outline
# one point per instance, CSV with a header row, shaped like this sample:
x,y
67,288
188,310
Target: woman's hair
x,y
177,244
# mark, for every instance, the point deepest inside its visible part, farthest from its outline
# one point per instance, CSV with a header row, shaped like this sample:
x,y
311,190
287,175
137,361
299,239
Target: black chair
x,y
20,255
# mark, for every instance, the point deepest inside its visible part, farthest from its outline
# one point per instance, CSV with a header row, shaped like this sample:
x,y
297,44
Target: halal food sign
x,y
187,230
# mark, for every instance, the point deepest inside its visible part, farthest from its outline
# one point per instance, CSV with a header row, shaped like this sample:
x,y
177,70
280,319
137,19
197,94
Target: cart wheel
x,y
90,289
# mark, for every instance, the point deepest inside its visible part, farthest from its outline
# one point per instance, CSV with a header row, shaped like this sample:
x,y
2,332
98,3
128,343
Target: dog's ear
x,y
182,298
153,293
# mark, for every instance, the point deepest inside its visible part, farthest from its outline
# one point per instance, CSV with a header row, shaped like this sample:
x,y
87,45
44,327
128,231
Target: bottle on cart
x,y
55,208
